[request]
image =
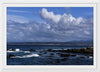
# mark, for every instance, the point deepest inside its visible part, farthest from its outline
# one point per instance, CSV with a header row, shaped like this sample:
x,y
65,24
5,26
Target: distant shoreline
x,y
53,43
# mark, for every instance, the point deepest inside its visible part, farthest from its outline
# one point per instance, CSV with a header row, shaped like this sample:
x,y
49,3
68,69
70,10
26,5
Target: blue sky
x,y
49,24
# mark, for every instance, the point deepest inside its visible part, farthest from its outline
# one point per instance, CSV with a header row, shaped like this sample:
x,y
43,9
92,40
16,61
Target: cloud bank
x,y
56,28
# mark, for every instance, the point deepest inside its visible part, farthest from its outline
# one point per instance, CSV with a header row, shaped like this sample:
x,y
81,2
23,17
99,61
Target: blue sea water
x,y
23,56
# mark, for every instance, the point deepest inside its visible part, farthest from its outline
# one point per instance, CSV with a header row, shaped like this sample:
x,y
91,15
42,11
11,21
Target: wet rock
x,y
40,54
7,49
32,50
50,50
10,49
73,55
11,55
74,50
89,56
81,57
89,48
82,50
64,55
51,53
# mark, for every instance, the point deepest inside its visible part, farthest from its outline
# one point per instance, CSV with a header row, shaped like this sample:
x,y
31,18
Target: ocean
x,y
38,55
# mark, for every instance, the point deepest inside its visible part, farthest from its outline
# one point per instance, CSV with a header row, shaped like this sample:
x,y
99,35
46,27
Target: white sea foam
x,y
14,51
90,57
27,56
17,50
26,51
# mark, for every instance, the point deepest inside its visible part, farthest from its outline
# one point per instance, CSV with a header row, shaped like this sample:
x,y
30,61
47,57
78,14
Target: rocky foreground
x,y
82,50
61,52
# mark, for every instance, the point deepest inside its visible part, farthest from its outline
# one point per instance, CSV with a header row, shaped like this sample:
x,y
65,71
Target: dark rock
x,y
11,55
32,50
7,49
73,55
51,53
82,50
91,55
81,57
64,55
89,48
88,56
40,54
11,49
50,50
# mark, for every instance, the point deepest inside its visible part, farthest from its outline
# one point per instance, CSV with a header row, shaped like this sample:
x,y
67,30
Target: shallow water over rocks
x,y
32,56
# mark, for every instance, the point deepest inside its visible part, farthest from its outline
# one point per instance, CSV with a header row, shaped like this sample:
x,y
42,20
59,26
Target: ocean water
x,y
23,56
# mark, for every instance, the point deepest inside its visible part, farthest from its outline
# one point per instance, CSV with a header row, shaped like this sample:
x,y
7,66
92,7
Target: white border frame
x,y
43,68
47,5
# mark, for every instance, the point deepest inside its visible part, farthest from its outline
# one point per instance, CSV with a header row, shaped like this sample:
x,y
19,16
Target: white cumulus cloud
x,y
61,28
64,19
49,16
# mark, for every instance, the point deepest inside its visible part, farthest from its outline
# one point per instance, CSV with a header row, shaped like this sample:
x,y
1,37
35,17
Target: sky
x,y
49,24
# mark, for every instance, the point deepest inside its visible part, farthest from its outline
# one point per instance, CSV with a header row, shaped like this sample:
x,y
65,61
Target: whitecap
x,y
27,56
17,50
90,57
14,51
10,51
26,51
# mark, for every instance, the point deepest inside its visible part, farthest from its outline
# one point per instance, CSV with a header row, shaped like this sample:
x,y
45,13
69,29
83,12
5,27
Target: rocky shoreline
x,y
61,52
82,50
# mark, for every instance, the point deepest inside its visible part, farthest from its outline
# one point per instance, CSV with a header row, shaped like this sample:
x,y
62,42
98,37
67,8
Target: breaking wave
x,y
27,56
